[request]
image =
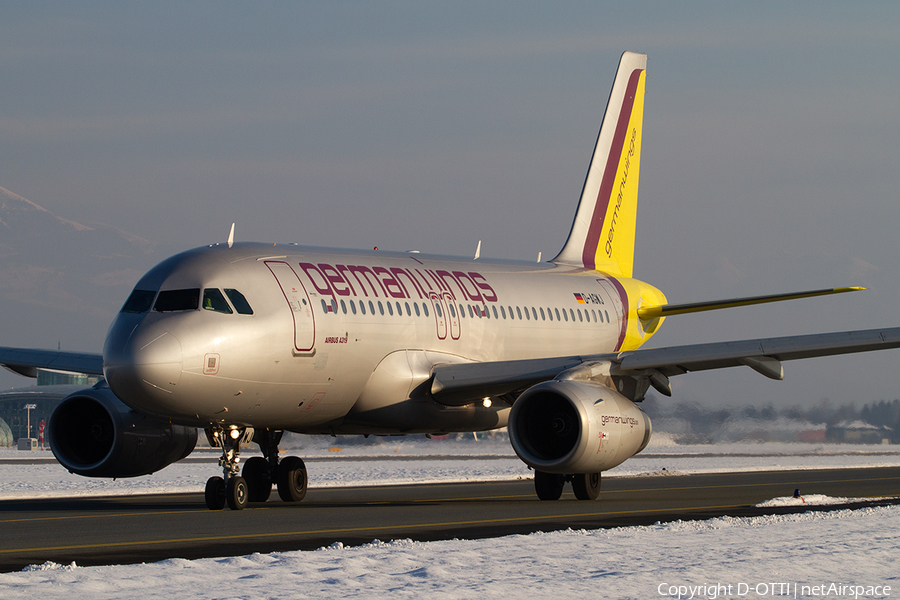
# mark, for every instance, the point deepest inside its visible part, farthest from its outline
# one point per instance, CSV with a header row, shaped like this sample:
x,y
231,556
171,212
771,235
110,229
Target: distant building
x,y
859,432
51,388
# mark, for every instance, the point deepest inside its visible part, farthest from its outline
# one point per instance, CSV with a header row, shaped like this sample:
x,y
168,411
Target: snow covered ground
x,y
842,554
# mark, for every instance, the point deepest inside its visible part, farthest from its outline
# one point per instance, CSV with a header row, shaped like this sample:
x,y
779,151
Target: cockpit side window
x,y
240,303
139,301
173,300
215,301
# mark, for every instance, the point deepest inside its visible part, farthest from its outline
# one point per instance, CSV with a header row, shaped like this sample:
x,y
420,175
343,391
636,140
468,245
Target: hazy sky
x,y
771,150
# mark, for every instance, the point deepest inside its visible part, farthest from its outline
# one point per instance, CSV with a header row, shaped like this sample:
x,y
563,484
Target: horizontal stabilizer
x,y
667,310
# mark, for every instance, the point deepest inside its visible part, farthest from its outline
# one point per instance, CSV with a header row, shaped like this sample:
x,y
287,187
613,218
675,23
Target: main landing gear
x,y
237,489
549,486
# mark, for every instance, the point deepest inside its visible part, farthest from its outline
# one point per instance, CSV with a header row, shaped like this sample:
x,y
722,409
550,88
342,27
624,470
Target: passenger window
x,y
425,308
416,306
343,307
324,307
380,308
606,314
566,315
399,310
527,316
437,310
462,311
139,301
543,318
580,318
511,313
174,300
572,312
471,314
452,311
503,312
557,314
238,301
550,313
494,308
362,307
534,313
519,313
390,309
353,307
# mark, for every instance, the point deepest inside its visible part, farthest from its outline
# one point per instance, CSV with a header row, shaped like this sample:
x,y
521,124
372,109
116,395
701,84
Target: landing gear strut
x,y
549,486
230,489
259,473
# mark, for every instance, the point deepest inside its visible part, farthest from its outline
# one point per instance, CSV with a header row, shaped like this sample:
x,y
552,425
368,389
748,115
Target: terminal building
x,y
51,388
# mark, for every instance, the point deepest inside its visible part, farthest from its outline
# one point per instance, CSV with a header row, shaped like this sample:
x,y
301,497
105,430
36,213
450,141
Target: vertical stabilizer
x,y
602,236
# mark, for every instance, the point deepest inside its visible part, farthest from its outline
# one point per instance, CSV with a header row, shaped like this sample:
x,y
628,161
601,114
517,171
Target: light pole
x,y
29,408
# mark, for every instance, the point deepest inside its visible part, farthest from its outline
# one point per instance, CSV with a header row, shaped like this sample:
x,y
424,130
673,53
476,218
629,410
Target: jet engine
x,y
92,433
569,427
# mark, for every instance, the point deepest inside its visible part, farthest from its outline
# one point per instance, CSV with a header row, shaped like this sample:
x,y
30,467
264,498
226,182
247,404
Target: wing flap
x,y
25,361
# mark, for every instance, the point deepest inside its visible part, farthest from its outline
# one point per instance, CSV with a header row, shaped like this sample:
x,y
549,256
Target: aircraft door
x,y
299,302
452,315
440,315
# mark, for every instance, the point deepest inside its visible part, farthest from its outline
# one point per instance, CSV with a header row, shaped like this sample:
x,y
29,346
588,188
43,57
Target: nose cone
x,y
143,364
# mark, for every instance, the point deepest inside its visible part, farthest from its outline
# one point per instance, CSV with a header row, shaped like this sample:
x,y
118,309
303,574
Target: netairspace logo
x,y
711,591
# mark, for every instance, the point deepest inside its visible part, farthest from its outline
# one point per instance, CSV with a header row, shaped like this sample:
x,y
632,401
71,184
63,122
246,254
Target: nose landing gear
x,y
259,472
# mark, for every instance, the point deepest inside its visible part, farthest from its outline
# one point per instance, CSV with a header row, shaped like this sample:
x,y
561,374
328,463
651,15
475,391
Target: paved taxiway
x,y
129,529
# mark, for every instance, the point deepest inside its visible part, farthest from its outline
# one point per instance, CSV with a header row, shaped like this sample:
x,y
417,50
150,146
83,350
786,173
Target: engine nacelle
x,y
92,433
576,427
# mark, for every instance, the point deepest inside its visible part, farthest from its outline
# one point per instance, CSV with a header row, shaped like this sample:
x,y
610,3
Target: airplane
x,y
249,340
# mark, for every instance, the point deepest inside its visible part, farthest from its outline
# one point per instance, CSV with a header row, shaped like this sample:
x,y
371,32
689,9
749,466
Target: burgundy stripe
x,y
589,252
623,296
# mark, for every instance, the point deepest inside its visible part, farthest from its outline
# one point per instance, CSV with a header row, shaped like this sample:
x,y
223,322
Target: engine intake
x,y
93,433
576,427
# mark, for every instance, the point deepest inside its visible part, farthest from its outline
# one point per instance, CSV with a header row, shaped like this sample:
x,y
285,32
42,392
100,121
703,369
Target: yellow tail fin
x,y
602,235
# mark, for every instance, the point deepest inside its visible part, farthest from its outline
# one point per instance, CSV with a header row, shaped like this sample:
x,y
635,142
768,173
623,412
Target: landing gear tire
x,y
549,486
586,486
259,484
215,493
292,479
237,493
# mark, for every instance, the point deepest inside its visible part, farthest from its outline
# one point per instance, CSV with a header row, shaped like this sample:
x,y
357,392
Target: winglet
x,y
602,235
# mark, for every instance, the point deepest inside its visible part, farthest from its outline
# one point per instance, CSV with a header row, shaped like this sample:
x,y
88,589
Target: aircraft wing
x,y
25,361
454,384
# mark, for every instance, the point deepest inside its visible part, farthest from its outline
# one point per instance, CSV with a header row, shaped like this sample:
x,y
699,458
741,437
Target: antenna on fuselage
x,y
231,236
477,251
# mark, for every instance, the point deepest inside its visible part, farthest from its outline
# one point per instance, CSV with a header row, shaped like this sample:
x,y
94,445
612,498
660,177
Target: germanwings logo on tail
x,y
602,236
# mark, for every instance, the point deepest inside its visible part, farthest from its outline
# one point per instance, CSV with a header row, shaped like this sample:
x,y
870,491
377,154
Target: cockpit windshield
x,y
215,301
240,303
139,301
173,300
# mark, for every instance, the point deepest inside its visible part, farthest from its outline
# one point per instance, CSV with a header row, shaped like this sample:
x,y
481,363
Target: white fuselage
x,y
340,341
